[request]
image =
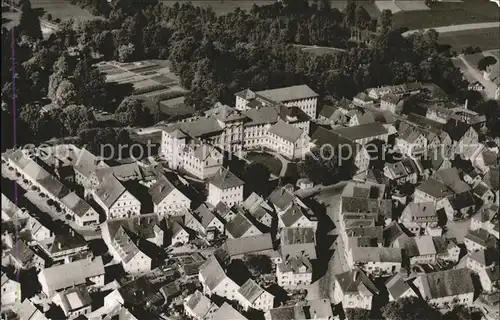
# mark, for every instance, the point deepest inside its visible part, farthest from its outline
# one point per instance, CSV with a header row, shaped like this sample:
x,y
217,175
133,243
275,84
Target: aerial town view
x,y
250,159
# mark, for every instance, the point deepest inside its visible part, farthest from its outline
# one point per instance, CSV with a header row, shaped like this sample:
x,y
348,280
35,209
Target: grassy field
x,y
486,39
63,9
444,14
271,163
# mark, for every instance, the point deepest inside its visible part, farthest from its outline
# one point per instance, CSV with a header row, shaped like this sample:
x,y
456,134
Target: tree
x,y
362,18
133,112
411,308
256,176
90,84
485,62
77,118
258,264
357,314
322,165
30,116
65,94
126,52
384,22
29,23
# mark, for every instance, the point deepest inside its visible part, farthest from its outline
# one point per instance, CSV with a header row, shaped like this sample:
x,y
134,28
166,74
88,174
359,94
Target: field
x,y
486,39
448,13
62,9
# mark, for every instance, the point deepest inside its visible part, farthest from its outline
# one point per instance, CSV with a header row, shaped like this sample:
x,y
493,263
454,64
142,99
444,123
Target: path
x,y
458,27
489,87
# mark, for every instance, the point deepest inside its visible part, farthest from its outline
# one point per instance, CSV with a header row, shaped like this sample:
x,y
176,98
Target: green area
x,y
486,39
269,161
448,13
63,9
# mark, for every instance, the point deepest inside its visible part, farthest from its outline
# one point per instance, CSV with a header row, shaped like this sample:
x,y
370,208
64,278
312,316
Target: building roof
x,y
225,113
486,257
351,281
289,93
397,286
28,311
142,226
66,241
425,245
290,236
281,198
362,131
161,189
282,313
75,298
492,178
286,131
392,232
226,312
291,215
76,204
250,290
110,190
212,272
204,215
199,304
260,116
249,245
418,211
446,283
239,225
451,178
391,98
366,205
479,236
327,111
73,273
296,264
225,179
435,188
21,253
376,254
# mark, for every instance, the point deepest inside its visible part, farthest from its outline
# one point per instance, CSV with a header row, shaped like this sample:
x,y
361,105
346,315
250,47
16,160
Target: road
x,y
458,27
489,87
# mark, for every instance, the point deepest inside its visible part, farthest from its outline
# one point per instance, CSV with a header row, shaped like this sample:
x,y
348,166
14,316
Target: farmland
x,y
448,13
486,39
149,80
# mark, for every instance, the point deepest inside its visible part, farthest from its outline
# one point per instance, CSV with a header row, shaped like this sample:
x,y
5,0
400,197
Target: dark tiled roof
x,y
362,131
250,290
225,179
238,225
350,281
397,286
446,283
212,272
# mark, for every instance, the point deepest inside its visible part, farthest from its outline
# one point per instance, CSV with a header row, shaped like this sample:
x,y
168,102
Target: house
x,y
198,306
391,233
298,242
411,142
225,187
65,247
354,289
127,241
11,293
418,216
483,192
167,199
294,271
22,257
300,96
287,140
239,247
446,249
215,281
350,151
486,218
432,190
364,133
478,239
116,200
311,309
225,312
392,102
85,271
240,226
74,301
79,210
28,311
332,115
178,232
206,221
362,99
492,180
490,278
402,171
259,209
482,259
38,231
10,211
297,216
446,288
375,260
398,288
254,297
170,291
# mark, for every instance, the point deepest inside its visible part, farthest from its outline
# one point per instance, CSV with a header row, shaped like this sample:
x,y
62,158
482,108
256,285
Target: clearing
x,y
63,10
448,13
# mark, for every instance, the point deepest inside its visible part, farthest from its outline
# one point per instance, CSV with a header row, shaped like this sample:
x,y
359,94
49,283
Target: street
x,y
458,27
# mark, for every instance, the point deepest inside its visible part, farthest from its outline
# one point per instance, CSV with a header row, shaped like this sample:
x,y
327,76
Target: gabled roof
x,y
362,131
251,290
239,225
199,304
289,93
446,283
76,204
225,113
110,190
391,98
351,280
261,116
212,272
376,254
65,241
75,298
492,178
397,286
226,312
286,131
225,179
142,225
161,189
451,178
291,215
249,245
281,198
28,311
22,253
485,257
435,188
204,215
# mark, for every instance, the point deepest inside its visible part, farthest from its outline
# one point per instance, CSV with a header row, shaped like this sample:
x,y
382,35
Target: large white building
x,y
116,200
167,199
225,187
